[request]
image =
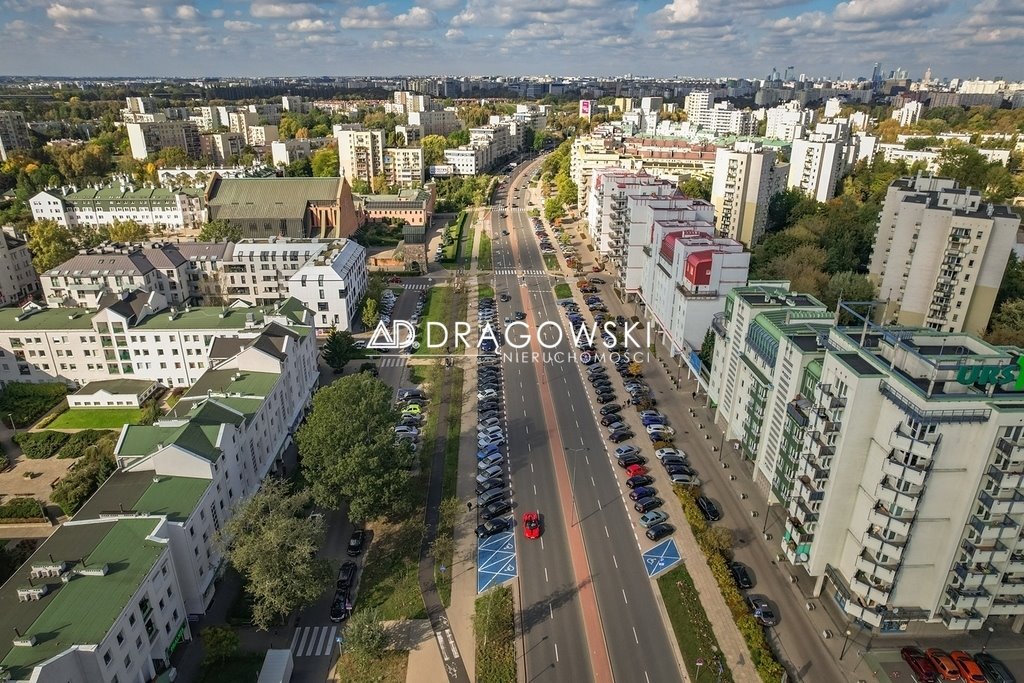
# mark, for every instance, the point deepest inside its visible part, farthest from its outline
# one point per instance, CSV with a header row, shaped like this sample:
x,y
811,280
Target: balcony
x,y
810,469
875,569
862,612
995,529
885,521
888,493
1009,478
978,575
884,546
718,325
1009,605
872,589
1006,504
805,489
1011,586
966,620
1016,563
1013,452
797,532
818,446
830,400
990,552
894,469
968,598
802,512
922,448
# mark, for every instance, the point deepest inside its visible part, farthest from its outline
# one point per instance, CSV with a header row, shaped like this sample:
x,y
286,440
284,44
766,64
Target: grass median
x,y
551,262
563,291
444,544
483,261
690,624
485,292
494,629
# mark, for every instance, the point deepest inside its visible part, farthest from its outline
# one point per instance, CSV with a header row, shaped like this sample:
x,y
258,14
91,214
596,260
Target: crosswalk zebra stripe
x,y
313,641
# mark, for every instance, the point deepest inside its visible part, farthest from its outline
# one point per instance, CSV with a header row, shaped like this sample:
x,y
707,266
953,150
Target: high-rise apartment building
x,y
13,133
746,178
361,153
940,253
148,138
403,166
908,114
816,165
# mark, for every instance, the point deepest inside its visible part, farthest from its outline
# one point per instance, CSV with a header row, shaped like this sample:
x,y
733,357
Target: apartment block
x,y
332,284
149,138
403,166
284,152
169,209
908,114
18,278
219,147
816,166
788,121
607,207
13,133
435,122
724,119
940,253
746,178
361,153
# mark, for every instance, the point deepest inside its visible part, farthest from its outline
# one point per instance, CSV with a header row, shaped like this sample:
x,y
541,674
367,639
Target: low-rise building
x,y
160,209
414,206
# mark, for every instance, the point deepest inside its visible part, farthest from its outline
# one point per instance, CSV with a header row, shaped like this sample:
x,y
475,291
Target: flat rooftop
x,y
128,492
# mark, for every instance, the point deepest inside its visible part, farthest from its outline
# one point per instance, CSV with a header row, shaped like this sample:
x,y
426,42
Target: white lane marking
x,y
646,677
635,636
531,467
551,611
587,459
593,483
329,641
606,532
577,424
542,544
451,642
302,644
545,574
308,650
624,596
440,644
535,489
320,643
616,562
295,637
556,652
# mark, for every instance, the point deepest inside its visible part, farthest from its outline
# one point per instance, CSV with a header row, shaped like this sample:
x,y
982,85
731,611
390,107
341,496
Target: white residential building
x,y
746,178
435,122
260,136
165,209
332,284
13,133
403,166
788,121
466,159
149,138
908,114
816,165
360,153
284,152
219,147
724,119
18,278
607,207
940,253
833,106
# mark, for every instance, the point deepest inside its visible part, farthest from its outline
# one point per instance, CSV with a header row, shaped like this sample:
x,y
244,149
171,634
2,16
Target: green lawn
x,y
484,260
485,292
690,623
563,291
390,580
435,310
96,418
391,668
451,468
465,254
455,232
495,633
551,262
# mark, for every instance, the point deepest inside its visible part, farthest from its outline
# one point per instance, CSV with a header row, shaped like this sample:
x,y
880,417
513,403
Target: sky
x,y
741,38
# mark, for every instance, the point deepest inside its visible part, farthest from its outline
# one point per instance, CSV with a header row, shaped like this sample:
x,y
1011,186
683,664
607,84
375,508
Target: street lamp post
x,y
11,418
768,507
988,637
846,641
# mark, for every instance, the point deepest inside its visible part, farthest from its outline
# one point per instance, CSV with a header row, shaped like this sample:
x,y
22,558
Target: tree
x,y
1012,285
359,186
273,543
126,231
964,164
433,149
1007,324
803,269
697,187
848,286
707,349
365,636
175,157
356,458
380,184
370,315
553,209
459,137
220,643
51,244
339,349
325,163
785,207
300,168
220,230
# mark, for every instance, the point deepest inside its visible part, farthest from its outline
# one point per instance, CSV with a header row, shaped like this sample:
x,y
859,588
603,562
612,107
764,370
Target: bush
x,y
76,445
21,510
78,484
26,403
38,445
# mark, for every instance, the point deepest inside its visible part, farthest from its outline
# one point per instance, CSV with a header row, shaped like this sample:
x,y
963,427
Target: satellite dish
x,y
803,557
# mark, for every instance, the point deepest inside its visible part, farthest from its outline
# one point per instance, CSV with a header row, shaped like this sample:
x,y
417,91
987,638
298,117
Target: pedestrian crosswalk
x,y
417,286
516,271
392,361
314,641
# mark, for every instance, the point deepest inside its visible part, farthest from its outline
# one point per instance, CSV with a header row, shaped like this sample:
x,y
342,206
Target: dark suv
x,y
356,542
708,509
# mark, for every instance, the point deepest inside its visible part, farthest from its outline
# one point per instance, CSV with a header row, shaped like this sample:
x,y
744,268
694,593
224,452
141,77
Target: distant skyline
x,y
516,37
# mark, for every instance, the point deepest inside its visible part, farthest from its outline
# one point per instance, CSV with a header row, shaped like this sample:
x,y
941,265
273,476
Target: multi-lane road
x,y
582,612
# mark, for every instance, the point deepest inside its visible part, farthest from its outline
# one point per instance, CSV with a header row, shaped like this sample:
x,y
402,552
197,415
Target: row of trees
x,y
556,171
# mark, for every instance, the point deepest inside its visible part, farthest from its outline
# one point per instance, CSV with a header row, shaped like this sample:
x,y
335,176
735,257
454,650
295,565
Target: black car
x,y
356,542
659,531
741,576
493,526
492,496
708,508
639,480
601,383
505,297
995,671
346,574
497,509
621,435
610,419
762,610
673,460
627,460
605,398
647,504
611,408
680,469
339,608
488,404
489,484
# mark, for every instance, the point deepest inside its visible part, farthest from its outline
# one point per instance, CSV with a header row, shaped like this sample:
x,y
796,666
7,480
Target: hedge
x,y
21,510
768,667
38,445
76,446
26,403
78,484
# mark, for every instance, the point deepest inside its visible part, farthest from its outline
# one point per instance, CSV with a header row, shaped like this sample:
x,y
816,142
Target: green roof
x,y
48,319
158,194
202,318
200,439
229,381
143,439
175,497
82,611
117,386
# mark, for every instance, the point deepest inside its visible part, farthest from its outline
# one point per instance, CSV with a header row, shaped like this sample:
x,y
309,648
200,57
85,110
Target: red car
x,y
969,669
919,663
396,280
531,524
943,663
636,470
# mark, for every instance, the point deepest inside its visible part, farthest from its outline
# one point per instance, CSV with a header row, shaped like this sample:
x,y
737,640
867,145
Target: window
x,y
120,637
138,643
127,661
106,657
131,619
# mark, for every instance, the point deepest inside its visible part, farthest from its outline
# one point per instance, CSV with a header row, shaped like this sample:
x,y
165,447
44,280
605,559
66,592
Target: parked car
x,y
684,480
346,574
620,436
356,542
492,496
670,460
708,509
653,518
626,450
920,665
497,508
659,531
635,470
969,669
762,610
638,481
531,524
633,459
493,526
669,452
647,504
489,485
741,575
339,607
994,669
611,408
490,473
490,461
943,663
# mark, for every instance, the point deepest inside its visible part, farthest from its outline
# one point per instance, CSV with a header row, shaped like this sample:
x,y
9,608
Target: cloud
x,y
379,17
217,13
61,13
284,10
440,4
16,26
241,26
310,26
186,12
878,10
691,13
454,34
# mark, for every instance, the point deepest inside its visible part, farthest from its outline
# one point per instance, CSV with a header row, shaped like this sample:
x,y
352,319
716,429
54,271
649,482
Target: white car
x,y
486,394
685,480
663,452
623,451
490,461
488,422
492,471
660,429
405,429
490,433
485,440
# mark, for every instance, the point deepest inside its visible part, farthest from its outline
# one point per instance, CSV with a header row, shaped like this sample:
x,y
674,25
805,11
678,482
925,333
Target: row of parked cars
x,y
934,664
413,405
341,606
